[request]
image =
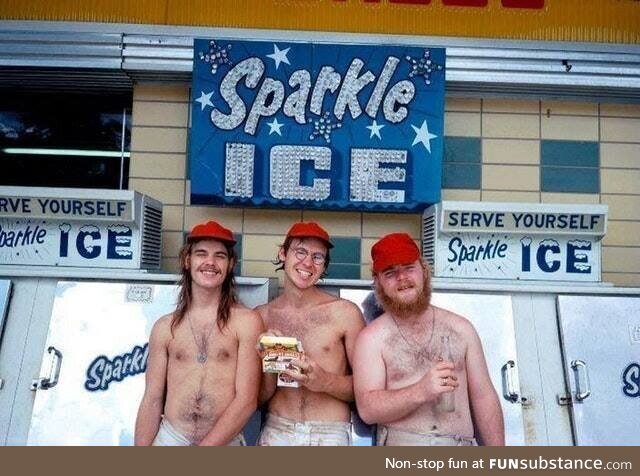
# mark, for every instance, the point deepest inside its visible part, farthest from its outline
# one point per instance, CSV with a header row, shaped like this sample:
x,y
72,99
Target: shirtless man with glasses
x,y
316,413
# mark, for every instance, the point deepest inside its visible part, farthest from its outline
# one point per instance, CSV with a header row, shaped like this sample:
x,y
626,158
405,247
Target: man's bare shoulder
x,y
244,320
344,307
459,323
347,316
263,310
322,298
161,329
377,330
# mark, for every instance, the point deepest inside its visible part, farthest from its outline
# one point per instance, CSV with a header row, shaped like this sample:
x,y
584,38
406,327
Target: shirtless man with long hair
x,y
203,374
402,375
317,413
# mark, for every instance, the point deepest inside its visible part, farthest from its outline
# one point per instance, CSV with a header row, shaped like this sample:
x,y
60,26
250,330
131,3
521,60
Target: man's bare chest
x,y
411,359
218,349
318,332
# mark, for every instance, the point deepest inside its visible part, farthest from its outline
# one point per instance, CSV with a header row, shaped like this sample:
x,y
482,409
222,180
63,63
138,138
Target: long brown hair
x,y
227,292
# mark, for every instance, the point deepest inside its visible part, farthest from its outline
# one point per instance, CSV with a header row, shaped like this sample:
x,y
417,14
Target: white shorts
x,y
279,431
387,436
169,436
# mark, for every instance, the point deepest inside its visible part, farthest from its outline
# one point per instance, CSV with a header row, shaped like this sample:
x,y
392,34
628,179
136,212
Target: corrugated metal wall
x,y
70,55
611,21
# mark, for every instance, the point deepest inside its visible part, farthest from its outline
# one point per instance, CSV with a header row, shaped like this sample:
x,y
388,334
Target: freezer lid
x,y
601,348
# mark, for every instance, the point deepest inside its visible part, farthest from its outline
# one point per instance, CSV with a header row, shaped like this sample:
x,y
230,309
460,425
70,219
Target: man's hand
x,y
311,375
440,379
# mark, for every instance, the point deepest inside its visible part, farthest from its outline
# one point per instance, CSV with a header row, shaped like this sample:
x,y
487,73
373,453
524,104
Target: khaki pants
x,y
387,436
169,436
279,431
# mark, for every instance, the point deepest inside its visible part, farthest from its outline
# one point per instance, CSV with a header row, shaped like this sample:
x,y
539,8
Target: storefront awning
x,y
88,56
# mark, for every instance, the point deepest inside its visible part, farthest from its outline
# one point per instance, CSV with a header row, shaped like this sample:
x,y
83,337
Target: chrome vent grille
x,y
429,235
151,252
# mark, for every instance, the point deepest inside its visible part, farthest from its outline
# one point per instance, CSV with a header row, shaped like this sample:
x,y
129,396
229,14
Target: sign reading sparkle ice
x,y
79,228
515,240
316,125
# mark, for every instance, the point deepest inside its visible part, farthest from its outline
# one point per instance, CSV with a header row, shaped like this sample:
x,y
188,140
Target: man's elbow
x,y
247,405
366,411
152,400
267,391
367,418
493,402
348,396
485,399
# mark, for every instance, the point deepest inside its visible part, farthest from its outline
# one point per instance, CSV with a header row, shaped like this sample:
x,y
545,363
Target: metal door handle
x,y
509,392
54,372
576,365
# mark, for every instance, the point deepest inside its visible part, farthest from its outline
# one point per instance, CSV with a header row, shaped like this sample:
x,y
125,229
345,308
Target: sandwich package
x,y
278,352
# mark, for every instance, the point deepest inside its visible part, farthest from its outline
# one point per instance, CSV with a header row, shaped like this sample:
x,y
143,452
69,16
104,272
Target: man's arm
x,y
152,405
485,405
247,383
268,388
315,378
378,405
268,382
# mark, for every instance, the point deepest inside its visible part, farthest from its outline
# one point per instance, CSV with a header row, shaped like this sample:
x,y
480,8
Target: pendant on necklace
x,y
202,357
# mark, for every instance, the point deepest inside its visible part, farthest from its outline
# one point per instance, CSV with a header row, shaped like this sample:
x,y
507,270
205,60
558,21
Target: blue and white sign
x,y
79,228
50,243
317,125
515,241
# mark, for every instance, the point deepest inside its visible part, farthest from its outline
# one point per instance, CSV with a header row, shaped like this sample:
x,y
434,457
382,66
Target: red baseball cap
x,y
213,230
309,229
392,250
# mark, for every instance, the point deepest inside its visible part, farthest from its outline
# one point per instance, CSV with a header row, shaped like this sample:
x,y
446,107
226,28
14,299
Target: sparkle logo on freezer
x,y
631,380
20,240
103,370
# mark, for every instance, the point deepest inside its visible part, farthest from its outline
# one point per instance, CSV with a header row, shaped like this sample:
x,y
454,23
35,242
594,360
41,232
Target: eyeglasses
x,y
317,258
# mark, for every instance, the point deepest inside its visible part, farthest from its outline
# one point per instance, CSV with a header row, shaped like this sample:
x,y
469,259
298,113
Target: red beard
x,y
400,308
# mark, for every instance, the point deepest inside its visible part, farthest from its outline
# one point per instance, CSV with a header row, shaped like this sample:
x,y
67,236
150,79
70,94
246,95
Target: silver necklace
x,y
202,349
424,351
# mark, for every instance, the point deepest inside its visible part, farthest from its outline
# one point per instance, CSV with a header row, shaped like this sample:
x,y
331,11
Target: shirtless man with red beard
x,y
400,377
203,374
317,413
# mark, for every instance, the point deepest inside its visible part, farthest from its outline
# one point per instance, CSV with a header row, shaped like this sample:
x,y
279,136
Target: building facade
x,y
539,108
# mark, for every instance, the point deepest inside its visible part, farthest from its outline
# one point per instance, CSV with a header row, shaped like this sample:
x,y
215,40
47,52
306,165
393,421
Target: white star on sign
x,y
279,56
423,136
275,126
205,100
375,129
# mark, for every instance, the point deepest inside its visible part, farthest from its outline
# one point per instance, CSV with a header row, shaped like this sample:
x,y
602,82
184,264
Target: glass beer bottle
x,y
446,403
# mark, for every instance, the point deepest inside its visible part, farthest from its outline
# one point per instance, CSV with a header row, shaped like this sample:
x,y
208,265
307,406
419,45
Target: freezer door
x,y
92,376
80,401
601,348
5,290
492,316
